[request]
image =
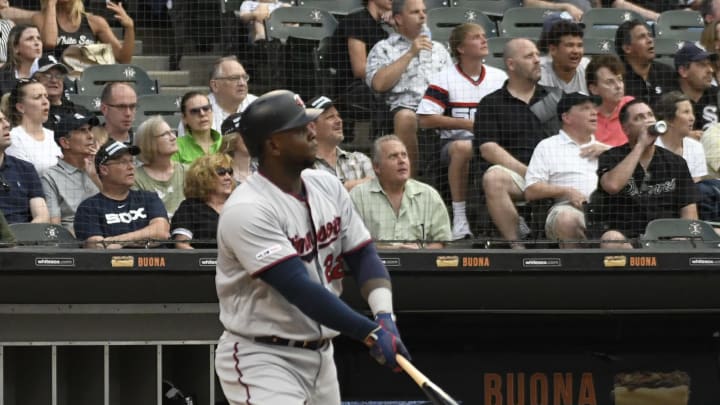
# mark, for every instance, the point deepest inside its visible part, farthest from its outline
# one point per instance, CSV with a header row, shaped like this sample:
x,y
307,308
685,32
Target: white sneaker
x,y
523,229
461,231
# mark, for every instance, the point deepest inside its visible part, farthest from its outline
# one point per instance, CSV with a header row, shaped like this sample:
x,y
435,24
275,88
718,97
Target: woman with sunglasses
x,y
159,173
64,22
23,50
199,139
28,108
208,184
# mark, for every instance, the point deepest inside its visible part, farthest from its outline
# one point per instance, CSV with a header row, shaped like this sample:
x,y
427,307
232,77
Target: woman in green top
x,y
158,143
199,139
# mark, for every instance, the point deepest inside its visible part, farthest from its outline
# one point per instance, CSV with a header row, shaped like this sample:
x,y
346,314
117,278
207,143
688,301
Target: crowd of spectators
x,y
550,124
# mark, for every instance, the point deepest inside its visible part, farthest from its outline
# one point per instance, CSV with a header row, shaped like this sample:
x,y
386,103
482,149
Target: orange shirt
x,y
609,131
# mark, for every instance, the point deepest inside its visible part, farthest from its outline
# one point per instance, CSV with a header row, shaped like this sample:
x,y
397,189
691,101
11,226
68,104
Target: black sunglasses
x,y
196,111
221,171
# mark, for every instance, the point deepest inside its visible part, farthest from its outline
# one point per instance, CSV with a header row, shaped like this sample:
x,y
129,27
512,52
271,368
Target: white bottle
x,y
426,55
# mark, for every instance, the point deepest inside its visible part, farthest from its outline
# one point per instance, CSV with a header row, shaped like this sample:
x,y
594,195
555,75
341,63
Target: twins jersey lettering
x,y
453,93
261,226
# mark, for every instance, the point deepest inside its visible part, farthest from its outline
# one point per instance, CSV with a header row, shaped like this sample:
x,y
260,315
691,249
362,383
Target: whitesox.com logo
x,y
125,217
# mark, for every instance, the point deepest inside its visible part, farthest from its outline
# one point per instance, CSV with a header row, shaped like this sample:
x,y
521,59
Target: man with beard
x,y
284,237
695,73
508,124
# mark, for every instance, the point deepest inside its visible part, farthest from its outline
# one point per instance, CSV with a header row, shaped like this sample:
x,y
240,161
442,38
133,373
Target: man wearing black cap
x,y
639,182
73,179
283,237
563,167
51,73
119,217
695,74
352,168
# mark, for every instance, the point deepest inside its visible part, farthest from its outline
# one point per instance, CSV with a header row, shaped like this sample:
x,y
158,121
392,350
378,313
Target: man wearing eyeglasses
x,y
118,106
639,182
51,73
118,216
21,194
73,178
228,91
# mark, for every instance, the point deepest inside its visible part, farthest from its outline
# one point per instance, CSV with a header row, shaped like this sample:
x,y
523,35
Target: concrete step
x,y
138,50
180,91
152,62
179,78
199,67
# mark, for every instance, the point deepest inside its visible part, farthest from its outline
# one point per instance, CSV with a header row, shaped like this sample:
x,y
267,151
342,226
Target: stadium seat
x,y
677,234
496,47
166,105
230,6
89,101
491,8
302,59
603,22
441,22
94,78
680,25
598,46
50,235
523,22
300,22
665,50
338,7
431,4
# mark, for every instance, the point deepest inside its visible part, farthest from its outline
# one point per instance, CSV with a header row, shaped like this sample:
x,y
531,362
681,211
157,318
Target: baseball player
x,y
283,237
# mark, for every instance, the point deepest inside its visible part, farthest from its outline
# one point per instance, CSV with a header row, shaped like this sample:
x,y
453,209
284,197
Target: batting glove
x,y
387,322
384,346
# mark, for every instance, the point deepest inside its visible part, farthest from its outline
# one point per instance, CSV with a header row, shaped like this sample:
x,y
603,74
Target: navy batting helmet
x,y
275,111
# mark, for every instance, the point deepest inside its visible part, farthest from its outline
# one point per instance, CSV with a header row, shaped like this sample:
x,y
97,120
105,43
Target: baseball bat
x,y
434,393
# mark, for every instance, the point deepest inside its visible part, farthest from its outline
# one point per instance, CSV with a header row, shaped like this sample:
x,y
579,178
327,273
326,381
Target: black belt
x,y
303,344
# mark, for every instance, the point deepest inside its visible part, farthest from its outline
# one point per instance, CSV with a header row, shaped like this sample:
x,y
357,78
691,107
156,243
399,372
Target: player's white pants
x,y
259,374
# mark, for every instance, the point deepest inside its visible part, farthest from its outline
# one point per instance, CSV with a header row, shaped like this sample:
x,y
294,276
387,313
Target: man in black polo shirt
x,y
639,182
356,34
695,74
645,78
509,122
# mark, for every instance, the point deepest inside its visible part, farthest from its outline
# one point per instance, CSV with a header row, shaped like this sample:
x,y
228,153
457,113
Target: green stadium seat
x,y
678,234
680,25
49,235
95,77
165,105
523,22
442,21
338,7
603,22
491,8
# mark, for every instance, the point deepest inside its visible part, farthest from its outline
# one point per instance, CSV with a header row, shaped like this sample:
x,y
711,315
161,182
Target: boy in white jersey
x,y
449,104
283,237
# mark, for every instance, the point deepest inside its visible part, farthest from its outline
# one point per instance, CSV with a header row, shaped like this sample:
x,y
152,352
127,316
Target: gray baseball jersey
x,y
261,226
